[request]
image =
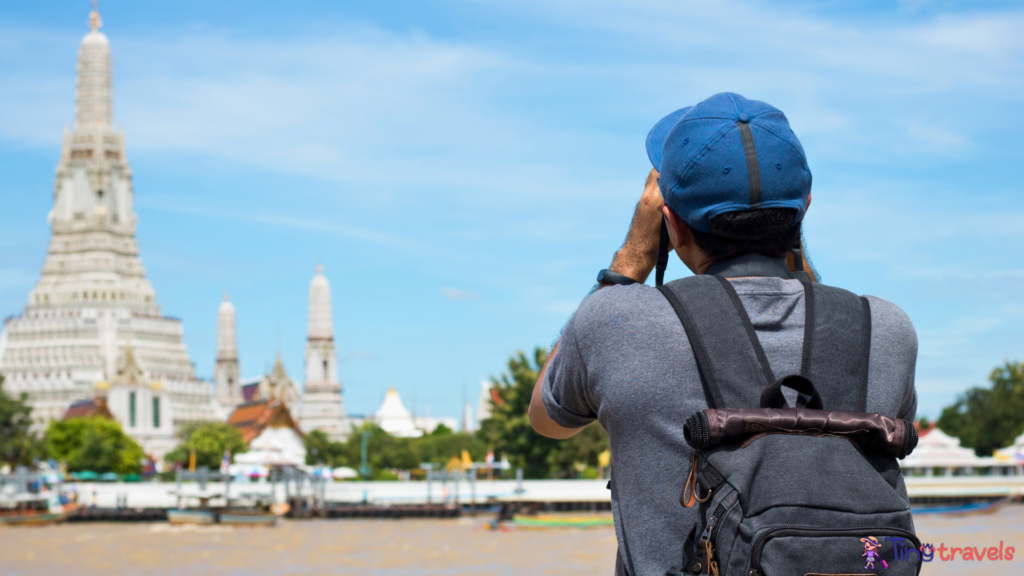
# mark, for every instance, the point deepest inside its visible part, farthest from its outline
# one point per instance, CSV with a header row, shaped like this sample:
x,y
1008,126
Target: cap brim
x,y
656,137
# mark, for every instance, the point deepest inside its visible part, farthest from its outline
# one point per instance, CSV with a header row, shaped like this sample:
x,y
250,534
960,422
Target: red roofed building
x,y
252,418
97,407
273,436
921,431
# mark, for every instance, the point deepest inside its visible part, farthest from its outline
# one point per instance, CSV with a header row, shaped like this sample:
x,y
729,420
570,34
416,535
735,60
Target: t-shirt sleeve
x,y
894,361
565,387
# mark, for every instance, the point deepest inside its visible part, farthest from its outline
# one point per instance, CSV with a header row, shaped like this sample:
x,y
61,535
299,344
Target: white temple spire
x,y
320,323
95,22
322,402
94,93
227,375
227,345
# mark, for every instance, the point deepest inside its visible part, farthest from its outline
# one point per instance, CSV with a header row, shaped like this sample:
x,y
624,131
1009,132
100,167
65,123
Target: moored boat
x,y
251,509
248,518
31,517
183,516
965,509
27,508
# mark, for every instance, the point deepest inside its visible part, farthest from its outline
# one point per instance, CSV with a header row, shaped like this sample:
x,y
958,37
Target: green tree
x,y
509,432
439,446
320,449
580,450
18,445
209,440
989,418
383,451
95,444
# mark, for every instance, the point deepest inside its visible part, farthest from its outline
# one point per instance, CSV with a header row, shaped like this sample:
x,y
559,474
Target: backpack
x,y
814,490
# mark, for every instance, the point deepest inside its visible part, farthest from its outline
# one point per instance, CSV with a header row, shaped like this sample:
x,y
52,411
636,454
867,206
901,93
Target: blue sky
x,y
464,168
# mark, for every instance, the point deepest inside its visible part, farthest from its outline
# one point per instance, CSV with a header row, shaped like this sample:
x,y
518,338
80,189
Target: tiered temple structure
x,y
93,314
322,404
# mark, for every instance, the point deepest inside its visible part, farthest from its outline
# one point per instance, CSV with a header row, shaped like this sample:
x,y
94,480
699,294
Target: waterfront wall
x,y
162,494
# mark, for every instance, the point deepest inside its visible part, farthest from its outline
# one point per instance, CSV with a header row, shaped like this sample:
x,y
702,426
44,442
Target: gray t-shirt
x,y
624,360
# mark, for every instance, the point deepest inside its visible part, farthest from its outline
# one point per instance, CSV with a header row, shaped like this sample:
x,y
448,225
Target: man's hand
x,y
639,252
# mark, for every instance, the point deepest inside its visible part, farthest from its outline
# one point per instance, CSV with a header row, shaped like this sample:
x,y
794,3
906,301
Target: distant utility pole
x,y
364,468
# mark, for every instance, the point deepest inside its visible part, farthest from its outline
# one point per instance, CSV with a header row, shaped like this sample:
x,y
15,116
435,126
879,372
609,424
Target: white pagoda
x,y
322,405
394,418
93,314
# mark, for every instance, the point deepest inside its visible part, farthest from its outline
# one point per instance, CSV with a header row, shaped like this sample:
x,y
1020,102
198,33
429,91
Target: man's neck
x,y
751,264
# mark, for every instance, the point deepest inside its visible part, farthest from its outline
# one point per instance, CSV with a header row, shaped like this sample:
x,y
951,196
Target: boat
x,y
248,518
32,518
186,516
250,509
27,509
967,509
567,521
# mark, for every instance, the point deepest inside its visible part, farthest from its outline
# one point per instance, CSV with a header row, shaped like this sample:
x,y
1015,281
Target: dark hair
x,y
774,222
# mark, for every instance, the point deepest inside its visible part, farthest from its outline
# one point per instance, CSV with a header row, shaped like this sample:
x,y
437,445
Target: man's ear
x,y
678,232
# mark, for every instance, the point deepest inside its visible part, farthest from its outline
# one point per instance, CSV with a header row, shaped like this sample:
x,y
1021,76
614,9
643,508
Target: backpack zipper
x,y
759,542
719,512
705,429
710,538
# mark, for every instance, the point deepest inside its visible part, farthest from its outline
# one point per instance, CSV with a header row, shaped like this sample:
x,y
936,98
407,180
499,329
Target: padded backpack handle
x,y
772,396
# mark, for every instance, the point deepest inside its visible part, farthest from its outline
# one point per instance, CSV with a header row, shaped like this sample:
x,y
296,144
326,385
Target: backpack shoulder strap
x,y
837,346
732,365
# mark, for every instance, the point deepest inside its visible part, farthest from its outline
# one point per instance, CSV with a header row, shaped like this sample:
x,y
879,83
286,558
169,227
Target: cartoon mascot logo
x,y
871,546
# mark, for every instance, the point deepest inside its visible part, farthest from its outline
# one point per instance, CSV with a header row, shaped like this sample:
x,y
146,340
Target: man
x,y
731,181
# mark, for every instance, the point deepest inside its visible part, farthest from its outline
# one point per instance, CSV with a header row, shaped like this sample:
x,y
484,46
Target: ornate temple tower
x,y
322,404
227,375
93,300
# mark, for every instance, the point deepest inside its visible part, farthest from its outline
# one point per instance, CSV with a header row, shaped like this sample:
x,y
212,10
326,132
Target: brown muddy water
x,y
402,547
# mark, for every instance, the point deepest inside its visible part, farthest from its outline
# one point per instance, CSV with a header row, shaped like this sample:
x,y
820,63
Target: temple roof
x,y
937,449
251,392
254,417
97,407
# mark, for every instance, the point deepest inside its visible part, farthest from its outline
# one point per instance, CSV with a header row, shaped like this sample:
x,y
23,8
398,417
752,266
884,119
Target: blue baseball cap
x,y
726,154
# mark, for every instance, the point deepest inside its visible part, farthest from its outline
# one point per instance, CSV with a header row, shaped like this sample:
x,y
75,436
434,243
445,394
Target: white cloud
x,y
281,220
456,294
392,114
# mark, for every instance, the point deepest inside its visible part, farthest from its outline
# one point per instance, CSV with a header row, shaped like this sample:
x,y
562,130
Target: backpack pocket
x,y
810,551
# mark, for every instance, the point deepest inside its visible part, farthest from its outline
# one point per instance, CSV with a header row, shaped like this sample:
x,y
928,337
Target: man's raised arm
x,y
636,260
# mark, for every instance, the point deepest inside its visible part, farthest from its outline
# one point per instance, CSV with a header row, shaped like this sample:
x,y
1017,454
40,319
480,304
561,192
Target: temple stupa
x,y
93,314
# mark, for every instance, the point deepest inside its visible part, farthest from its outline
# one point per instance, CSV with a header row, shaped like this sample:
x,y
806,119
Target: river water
x,y
396,547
